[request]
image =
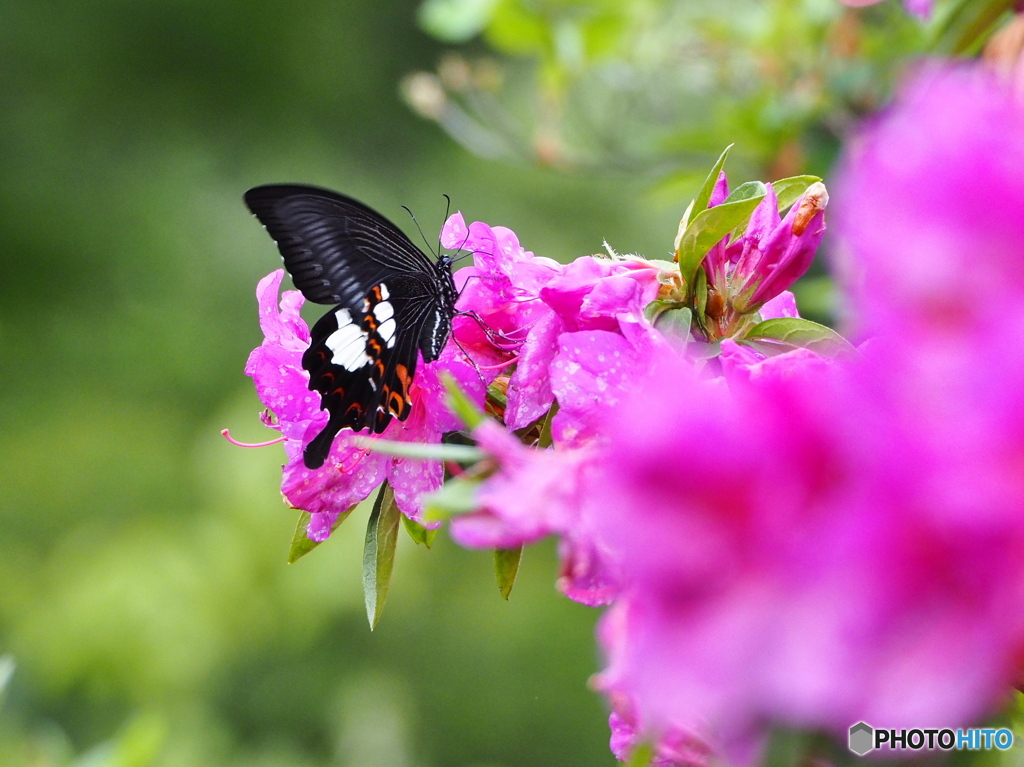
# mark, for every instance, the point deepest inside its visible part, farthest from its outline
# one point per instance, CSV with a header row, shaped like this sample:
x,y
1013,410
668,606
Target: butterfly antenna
x,y
447,212
468,253
413,217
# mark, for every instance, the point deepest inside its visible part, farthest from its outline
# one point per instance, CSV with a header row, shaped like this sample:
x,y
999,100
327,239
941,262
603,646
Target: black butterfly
x,y
391,302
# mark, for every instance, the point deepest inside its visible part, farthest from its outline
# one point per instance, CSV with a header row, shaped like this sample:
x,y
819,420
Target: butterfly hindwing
x,y
392,304
363,365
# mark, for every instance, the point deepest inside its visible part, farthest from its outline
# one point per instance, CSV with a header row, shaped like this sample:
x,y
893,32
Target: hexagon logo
x,y
862,738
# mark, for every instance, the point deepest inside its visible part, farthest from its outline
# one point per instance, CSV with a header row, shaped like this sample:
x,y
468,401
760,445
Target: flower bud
x,y
771,261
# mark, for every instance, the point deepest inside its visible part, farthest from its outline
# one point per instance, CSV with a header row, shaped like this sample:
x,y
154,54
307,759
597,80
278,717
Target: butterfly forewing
x,y
392,302
333,246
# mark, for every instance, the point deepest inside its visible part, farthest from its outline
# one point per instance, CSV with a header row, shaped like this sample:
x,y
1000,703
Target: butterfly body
x,y
392,304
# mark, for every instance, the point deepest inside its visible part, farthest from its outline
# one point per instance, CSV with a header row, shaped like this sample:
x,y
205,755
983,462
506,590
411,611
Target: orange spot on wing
x,y
402,372
396,404
403,375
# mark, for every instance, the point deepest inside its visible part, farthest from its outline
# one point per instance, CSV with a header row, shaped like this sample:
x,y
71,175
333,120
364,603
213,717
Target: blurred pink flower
x,y
938,182
816,561
350,473
821,543
538,493
674,747
535,492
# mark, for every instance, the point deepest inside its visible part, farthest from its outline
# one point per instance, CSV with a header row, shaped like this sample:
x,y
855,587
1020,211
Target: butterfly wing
x,y
391,302
363,366
334,247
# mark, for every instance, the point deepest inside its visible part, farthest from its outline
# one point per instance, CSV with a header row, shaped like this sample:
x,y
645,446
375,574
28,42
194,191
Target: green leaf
x,y
506,567
642,756
796,332
302,544
456,496
498,395
455,21
676,323
461,404
519,30
546,439
963,25
140,742
752,190
703,199
699,350
659,306
379,552
681,230
789,190
700,299
711,225
7,668
418,532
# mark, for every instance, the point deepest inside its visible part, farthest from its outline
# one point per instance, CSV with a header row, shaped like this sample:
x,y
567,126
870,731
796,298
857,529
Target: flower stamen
x,y
227,435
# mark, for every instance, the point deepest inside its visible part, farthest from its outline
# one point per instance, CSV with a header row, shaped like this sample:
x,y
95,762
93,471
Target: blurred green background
x,y
145,603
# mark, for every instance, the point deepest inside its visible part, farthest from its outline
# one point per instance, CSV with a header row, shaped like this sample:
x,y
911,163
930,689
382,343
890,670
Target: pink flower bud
x,y
770,263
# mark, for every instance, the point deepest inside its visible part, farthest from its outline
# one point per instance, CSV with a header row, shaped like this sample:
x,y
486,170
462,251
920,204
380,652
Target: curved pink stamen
x,y
525,329
227,435
499,366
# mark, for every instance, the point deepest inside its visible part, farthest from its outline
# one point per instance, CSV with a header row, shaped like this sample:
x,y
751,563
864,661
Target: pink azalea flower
x,y
603,340
584,341
514,326
588,347
350,473
528,304
783,305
